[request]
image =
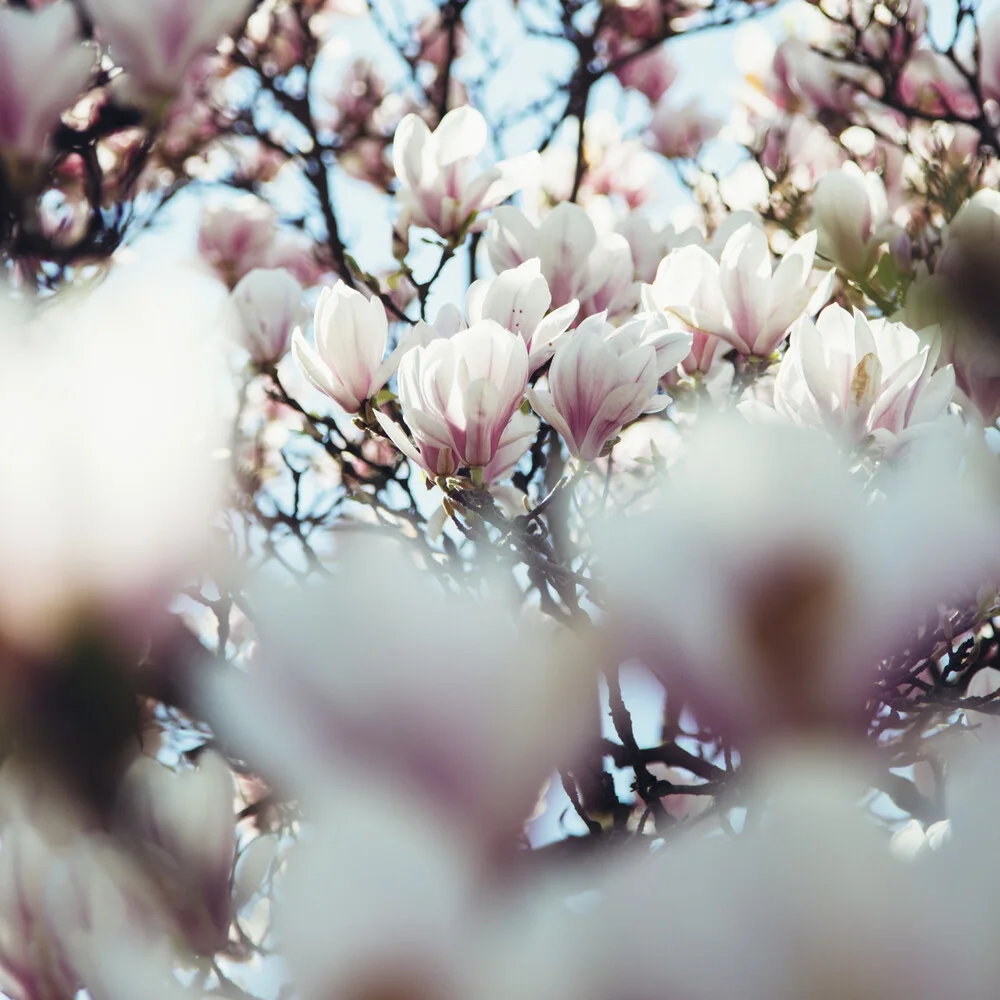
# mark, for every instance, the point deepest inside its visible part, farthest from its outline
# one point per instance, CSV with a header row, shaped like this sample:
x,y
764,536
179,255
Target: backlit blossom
x,y
120,507
44,66
603,378
518,299
156,42
351,332
268,304
851,215
458,393
575,261
931,83
679,131
430,712
183,821
440,186
814,598
739,299
235,237
863,379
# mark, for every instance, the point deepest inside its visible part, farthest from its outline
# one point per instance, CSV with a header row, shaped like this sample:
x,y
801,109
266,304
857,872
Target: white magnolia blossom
x,y
851,215
44,66
814,598
396,691
157,41
74,911
576,263
518,299
459,393
862,379
440,187
183,822
738,299
268,306
121,508
348,362
603,378
787,903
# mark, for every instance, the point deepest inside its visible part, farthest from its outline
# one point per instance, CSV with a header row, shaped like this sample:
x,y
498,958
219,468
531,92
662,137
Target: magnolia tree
x,y
474,574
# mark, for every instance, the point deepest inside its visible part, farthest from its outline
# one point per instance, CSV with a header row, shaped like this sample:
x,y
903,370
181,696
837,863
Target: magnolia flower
x,y
603,378
462,702
740,300
183,821
576,263
156,42
652,73
236,237
121,507
863,379
788,902
518,299
458,394
820,81
32,967
44,67
683,280
679,132
812,600
268,304
401,927
75,913
851,214
932,84
958,298
351,333
437,461
439,187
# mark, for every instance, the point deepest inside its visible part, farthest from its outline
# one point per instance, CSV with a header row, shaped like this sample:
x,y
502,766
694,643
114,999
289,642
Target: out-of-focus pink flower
x,y
156,42
185,827
863,379
851,214
576,263
236,237
603,378
679,132
268,303
440,187
814,599
432,37
740,300
804,150
44,66
351,332
652,73
822,82
518,299
295,251
932,84
458,393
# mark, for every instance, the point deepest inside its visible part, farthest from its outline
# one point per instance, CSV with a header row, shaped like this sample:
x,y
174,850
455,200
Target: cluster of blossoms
x,y
465,571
